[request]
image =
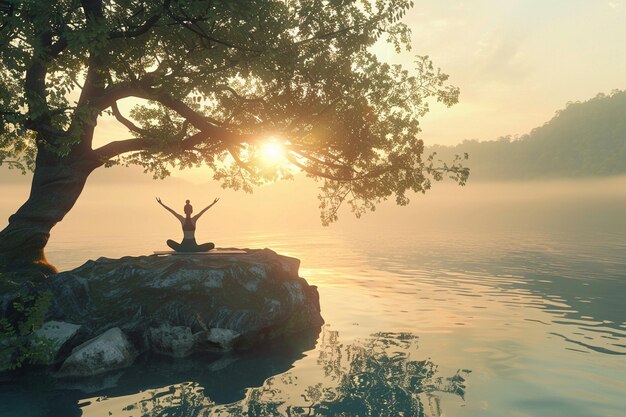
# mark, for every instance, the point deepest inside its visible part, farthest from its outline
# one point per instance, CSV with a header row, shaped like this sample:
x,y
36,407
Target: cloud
x,y
498,58
615,4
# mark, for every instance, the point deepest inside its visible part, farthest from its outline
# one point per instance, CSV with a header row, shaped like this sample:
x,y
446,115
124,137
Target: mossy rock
x,y
258,295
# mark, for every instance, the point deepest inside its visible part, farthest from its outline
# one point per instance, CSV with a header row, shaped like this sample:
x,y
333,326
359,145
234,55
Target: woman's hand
x,y
197,216
178,216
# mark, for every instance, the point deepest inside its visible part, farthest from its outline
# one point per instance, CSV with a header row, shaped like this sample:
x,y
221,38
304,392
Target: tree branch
x,y
191,24
302,152
354,175
140,30
238,160
197,120
119,147
35,83
192,141
315,171
129,125
335,33
57,47
116,92
337,204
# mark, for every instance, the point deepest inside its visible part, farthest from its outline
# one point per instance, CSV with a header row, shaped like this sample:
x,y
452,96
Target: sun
x,y
273,152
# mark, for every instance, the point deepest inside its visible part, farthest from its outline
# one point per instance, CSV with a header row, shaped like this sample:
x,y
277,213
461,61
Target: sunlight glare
x,y
273,151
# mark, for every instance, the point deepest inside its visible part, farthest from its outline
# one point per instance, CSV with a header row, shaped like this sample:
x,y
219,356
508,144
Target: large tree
x,y
210,82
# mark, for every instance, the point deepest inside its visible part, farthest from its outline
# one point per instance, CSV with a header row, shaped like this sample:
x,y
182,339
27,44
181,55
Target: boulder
x,y
176,341
176,305
58,333
222,339
109,351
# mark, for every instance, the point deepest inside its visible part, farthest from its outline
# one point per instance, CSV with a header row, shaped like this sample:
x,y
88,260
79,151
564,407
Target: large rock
x,y
223,339
178,305
176,341
111,350
58,333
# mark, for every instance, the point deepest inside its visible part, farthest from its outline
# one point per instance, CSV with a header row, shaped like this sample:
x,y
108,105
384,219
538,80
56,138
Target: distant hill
x,y
584,139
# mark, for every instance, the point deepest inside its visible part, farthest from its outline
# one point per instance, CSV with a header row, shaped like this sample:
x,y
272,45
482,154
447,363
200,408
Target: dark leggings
x,y
189,245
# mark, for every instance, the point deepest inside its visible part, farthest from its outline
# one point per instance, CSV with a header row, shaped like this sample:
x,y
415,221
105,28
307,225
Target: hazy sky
x,y
517,61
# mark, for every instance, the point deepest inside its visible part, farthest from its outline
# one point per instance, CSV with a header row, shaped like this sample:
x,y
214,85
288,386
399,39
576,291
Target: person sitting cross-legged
x,y
188,243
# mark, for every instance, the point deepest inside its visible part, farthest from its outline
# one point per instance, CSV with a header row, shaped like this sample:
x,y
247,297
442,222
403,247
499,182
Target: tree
x,y
211,81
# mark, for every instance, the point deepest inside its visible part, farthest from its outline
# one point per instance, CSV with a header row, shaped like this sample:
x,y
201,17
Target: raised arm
x,y
197,216
178,216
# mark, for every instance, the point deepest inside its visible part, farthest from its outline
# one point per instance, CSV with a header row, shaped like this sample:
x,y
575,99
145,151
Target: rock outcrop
x,y
59,334
108,351
176,306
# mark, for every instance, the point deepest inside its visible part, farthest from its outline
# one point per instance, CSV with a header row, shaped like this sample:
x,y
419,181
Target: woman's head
x,y
188,208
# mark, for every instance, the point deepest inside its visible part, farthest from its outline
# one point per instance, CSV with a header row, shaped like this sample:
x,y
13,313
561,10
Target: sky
x,y
516,61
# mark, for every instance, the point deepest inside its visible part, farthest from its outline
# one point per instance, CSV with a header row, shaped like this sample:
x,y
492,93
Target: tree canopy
x,y
212,81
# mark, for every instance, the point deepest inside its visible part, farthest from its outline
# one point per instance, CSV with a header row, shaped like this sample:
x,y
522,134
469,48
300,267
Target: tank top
x,y
189,229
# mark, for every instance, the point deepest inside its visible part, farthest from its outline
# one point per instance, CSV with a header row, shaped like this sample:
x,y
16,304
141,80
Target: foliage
x,y
212,80
19,343
584,139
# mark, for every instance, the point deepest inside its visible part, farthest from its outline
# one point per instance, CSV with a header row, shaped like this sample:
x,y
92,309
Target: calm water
x,y
525,321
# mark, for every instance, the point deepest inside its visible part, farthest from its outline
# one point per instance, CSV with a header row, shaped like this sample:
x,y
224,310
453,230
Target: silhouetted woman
x,y
189,228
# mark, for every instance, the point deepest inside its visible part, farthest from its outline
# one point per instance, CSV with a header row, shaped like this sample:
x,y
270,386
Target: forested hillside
x,y
584,139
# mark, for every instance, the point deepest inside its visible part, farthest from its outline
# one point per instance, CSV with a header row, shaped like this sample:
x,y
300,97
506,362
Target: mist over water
x,y
510,293
119,204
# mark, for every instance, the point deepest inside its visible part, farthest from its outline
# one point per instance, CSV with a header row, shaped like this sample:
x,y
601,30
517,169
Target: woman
x,y
189,228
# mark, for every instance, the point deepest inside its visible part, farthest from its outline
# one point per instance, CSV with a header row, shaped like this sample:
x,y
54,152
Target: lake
x,y
510,305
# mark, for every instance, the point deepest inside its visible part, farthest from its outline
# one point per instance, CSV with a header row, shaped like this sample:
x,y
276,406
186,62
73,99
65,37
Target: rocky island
x,y
107,312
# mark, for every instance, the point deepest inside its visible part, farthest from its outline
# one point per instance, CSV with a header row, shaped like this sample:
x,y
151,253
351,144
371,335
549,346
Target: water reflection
x,y
219,379
379,376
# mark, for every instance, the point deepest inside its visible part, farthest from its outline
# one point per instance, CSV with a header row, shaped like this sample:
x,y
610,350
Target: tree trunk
x,y
56,185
